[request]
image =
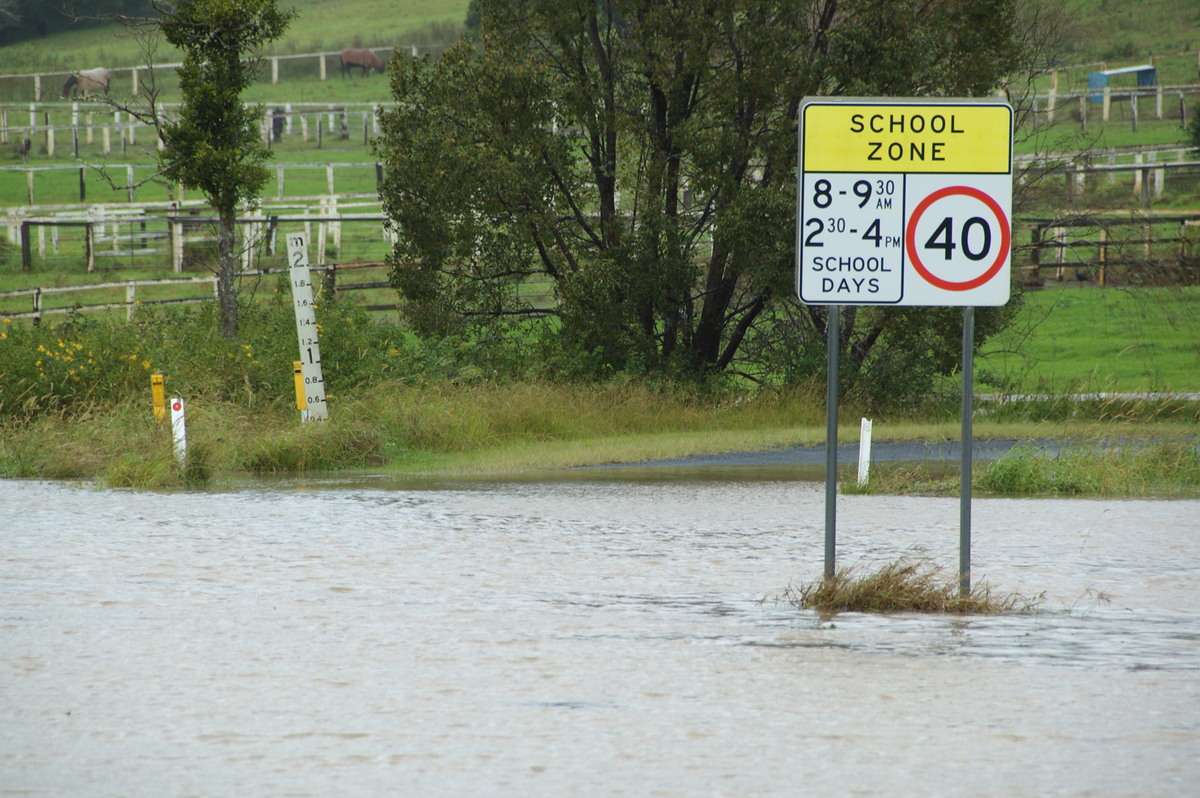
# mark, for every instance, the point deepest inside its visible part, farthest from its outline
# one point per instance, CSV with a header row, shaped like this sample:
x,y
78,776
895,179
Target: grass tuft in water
x,y
904,586
1171,468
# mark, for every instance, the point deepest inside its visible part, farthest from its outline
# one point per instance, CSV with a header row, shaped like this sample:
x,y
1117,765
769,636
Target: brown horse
x,y
365,60
86,81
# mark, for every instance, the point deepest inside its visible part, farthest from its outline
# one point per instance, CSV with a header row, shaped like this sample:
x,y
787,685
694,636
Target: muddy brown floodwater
x,y
593,634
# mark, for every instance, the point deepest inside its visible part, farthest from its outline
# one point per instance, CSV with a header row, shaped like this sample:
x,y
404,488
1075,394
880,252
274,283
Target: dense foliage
x,y
640,157
31,19
73,365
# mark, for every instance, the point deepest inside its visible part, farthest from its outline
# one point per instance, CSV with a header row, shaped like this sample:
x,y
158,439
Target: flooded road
x,y
594,634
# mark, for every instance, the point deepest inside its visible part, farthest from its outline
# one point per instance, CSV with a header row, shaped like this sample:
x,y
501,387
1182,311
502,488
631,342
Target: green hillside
x,y
1109,30
321,25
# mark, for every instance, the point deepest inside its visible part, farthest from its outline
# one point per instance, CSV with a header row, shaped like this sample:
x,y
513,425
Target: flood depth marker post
x,y
903,202
316,408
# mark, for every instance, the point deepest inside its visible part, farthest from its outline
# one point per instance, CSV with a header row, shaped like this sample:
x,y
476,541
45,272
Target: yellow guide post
x,y
156,396
298,378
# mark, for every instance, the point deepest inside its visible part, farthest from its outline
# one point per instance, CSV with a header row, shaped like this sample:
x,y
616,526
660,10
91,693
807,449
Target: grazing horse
x,y
86,81
365,60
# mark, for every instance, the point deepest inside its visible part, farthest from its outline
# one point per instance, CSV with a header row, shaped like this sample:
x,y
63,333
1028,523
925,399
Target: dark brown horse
x,y
86,81
365,60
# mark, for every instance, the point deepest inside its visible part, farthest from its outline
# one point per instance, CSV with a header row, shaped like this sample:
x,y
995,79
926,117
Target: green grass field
x,y
1088,339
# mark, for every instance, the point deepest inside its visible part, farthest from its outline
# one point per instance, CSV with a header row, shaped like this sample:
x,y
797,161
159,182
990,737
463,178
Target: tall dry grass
x,y
904,586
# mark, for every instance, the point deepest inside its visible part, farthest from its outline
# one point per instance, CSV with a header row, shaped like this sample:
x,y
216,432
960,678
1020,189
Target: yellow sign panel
x,y
906,137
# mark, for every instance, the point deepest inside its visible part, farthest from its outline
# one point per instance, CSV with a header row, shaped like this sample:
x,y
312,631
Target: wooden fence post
x,y
1060,253
1102,258
89,246
26,248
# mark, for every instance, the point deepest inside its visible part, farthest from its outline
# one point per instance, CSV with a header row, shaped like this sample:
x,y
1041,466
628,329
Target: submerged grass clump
x,y
1171,468
903,586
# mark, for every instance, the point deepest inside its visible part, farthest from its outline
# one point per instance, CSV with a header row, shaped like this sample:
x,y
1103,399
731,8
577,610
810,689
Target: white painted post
x,y
306,329
179,430
864,452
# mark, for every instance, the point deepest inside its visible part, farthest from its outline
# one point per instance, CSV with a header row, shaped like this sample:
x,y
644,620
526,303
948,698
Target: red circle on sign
x,y
177,406
911,246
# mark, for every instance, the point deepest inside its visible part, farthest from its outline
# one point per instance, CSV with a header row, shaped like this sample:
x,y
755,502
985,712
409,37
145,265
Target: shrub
x,y
69,366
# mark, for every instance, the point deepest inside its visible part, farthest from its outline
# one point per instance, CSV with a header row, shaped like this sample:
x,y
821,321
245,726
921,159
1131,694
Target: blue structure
x,y
1146,76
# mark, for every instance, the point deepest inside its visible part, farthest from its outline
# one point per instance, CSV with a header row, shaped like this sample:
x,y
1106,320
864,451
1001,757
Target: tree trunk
x,y
227,267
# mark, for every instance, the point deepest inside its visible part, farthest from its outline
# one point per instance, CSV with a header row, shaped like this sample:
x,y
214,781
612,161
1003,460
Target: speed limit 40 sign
x,y
904,202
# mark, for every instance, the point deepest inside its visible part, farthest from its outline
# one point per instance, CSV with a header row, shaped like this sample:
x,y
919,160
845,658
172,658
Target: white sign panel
x,y
904,202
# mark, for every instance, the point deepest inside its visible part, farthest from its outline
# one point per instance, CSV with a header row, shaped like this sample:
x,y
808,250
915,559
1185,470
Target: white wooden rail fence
x,y
51,82
51,126
129,173
153,232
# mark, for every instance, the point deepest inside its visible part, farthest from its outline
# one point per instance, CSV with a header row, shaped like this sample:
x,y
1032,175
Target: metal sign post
x,y
903,202
832,343
966,458
316,409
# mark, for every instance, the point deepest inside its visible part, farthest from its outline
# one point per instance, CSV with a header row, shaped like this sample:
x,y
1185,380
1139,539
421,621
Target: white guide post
x,y
306,329
179,430
864,452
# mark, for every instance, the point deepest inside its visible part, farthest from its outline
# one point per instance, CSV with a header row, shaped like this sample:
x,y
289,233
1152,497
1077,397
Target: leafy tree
x,y
473,23
213,142
640,154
